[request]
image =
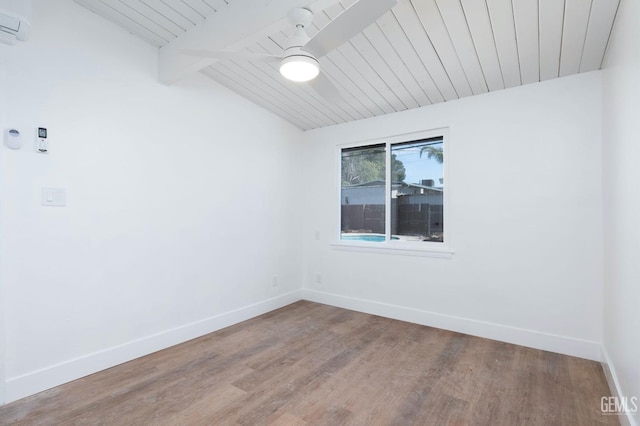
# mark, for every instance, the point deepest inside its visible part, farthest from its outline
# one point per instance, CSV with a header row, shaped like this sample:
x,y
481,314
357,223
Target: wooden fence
x,y
409,219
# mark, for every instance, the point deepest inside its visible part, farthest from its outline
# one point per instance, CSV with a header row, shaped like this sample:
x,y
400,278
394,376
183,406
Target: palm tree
x,y
434,152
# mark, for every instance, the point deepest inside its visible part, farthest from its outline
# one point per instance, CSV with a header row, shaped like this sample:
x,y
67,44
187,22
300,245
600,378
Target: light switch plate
x,y
54,197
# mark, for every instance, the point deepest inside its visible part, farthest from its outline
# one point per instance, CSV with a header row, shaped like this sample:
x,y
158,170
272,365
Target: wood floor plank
x,y
313,364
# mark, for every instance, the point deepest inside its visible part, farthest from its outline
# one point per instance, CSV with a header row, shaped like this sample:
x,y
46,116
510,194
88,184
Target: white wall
x,y
621,160
526,220
180,210
2,201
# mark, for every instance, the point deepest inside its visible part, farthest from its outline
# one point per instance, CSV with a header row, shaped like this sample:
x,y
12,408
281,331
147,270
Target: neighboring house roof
x,y
410,185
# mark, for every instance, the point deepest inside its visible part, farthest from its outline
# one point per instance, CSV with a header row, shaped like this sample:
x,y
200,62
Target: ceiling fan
x,y
299,58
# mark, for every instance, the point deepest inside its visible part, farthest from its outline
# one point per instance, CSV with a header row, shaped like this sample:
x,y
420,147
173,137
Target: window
x,y
392,193
363,177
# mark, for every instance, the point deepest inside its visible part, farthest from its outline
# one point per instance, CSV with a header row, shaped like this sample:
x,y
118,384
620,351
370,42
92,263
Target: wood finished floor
x,y
319,365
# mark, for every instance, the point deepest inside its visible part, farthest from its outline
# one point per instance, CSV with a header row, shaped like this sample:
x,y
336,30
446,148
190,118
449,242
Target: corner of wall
x,y
3,103
614,385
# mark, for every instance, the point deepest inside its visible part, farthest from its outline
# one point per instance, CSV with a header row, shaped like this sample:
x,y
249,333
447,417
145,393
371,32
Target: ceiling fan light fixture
x,y
299,68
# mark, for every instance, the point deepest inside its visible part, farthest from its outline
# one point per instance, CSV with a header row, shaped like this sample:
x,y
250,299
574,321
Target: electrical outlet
x,y
274,282
318,279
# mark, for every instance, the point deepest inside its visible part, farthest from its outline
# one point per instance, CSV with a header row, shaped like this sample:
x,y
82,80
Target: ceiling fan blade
x,y
249,56
353,20
325,88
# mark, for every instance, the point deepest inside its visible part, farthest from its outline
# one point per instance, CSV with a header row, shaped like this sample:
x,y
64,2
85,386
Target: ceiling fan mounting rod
x,y
300,17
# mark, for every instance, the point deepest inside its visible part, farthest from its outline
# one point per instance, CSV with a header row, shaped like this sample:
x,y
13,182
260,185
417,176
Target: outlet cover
x,y
54,197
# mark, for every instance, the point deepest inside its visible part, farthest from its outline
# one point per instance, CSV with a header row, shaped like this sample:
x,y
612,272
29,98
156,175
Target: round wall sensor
x,y
12,139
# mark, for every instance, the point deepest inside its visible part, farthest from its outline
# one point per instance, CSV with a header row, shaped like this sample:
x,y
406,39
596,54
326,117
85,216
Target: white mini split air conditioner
x,y
15,20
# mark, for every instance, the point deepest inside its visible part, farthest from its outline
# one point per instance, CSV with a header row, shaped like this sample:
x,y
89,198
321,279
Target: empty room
x,y
319,212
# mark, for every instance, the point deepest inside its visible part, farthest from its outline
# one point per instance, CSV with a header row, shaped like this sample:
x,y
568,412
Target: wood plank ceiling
x,y
421,52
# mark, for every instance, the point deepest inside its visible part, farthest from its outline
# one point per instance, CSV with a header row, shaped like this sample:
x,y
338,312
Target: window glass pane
x,y
363,193
417,190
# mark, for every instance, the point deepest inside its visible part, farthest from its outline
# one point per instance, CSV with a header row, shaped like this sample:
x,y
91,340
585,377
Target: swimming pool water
x,y
365,237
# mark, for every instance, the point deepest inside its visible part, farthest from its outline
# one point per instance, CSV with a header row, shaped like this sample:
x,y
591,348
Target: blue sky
x,y
418,168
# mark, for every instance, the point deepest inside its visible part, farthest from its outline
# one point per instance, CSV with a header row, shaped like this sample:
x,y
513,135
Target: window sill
x,y
394,248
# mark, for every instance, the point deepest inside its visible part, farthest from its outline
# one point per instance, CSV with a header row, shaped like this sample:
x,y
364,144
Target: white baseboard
x,y
37,381
519,336
614,386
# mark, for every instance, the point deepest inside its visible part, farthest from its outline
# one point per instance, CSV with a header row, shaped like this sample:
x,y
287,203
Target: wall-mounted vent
x,y
15,20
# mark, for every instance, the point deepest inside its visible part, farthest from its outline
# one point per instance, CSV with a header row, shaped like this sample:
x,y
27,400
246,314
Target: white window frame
x,y
398,247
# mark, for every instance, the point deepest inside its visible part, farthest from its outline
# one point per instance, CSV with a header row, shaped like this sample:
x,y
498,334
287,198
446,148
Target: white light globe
x,y
299,68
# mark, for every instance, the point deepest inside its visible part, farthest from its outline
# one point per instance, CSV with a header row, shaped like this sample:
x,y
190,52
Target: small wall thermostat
x,y
42,146
12,139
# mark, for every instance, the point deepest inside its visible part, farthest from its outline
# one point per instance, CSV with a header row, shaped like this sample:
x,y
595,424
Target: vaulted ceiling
x,y
421,52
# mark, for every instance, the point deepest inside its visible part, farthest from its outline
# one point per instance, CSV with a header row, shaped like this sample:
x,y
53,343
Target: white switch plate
x,y
54,197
